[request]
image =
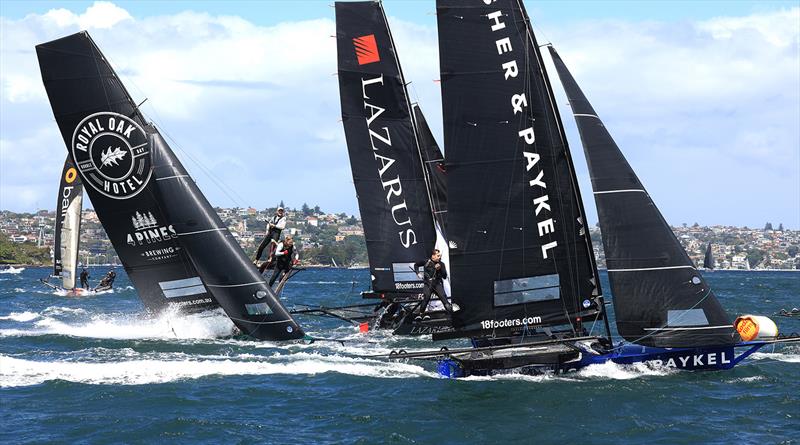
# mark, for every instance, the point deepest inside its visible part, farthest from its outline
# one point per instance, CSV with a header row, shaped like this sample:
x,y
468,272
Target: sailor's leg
x,y
426,298
261,248
275,273
440,293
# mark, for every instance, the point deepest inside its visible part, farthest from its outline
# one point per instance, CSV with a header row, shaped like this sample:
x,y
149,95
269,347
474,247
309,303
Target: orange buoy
x,y
752,327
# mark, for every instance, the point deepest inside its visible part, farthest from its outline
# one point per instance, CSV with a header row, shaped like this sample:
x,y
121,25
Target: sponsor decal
x,y
519,104
112,153
366,49
381,141
70,176
695,360
147,230
511,323
403,286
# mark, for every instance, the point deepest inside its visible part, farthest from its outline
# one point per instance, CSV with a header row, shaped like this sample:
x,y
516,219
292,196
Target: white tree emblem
x,y
112,157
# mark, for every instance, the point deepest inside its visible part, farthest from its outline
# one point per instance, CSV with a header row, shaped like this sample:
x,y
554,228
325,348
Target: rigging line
x,y
218,182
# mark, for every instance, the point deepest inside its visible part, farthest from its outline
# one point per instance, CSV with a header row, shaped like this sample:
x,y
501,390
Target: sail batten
x,y
656,287
515,219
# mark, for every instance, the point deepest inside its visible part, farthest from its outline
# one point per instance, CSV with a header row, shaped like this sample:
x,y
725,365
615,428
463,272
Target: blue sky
x,y
702,97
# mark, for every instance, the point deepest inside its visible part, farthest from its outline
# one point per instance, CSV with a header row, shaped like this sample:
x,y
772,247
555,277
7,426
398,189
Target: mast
x,y
520,257
659,297
383,148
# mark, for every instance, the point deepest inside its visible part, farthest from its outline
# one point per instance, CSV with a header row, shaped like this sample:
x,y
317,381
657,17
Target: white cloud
x,y
258,106
101,15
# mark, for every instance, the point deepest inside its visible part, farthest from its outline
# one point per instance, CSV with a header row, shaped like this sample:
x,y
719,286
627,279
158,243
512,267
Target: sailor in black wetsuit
x,y
285,257
84,278
434,272
275,225
108,280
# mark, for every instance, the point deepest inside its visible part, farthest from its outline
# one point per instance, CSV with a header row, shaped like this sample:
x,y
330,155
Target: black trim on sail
x,y
66,237
383,148
659,297
173,246
434,162
520,255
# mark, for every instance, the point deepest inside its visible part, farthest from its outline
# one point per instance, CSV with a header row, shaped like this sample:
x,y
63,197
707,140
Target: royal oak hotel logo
x,y
112,153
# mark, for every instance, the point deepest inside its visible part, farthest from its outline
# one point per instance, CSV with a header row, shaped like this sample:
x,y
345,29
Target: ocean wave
x,y
20,316
15,372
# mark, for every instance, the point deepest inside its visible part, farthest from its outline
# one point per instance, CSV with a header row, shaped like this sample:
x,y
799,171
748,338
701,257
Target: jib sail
x,y
520,256
68,225
141,194
659,297
383,148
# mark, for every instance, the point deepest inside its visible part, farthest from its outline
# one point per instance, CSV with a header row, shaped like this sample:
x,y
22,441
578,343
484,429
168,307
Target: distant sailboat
x,y
173,245
708,261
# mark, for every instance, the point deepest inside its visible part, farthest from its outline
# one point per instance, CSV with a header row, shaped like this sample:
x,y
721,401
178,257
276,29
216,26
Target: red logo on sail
x,y
366,49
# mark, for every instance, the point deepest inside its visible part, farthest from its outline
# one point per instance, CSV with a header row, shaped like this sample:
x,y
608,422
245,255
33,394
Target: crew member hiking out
x,y
108,280
285,257
274,227
84,278
434,272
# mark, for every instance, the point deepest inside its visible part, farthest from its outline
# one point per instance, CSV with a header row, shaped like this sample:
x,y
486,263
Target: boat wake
x,y
165,368
78,323
12,270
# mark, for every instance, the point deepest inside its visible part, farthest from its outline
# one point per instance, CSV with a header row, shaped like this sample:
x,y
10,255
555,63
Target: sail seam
x,y
688,329
235,285
586,115
260,322
218,229
172,177
603,192
651,268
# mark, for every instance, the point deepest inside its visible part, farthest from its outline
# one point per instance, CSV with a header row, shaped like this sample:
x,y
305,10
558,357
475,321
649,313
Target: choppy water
x,y
96,370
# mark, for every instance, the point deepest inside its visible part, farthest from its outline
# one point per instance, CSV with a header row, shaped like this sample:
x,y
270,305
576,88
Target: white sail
x,y
70,240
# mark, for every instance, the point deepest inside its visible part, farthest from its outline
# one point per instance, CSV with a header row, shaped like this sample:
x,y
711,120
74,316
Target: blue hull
x,y
692,359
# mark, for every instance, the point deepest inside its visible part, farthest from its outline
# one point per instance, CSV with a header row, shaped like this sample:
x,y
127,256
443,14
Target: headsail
x,y
383,148
520,255
708,261
66,239
659,297
142,196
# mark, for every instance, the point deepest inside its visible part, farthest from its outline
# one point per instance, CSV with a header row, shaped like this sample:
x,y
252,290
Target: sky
x,y
703,97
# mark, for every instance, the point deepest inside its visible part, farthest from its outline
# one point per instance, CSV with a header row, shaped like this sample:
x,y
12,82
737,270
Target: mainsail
x,y
659,297
708,261
174,251
68,225
520,255
383,147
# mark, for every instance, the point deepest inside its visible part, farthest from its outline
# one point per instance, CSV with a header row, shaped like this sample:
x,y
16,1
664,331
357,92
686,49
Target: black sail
x,y
219,260
383,148
435,168
708,261
659,297
175,251
102,125
520,256
66,239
